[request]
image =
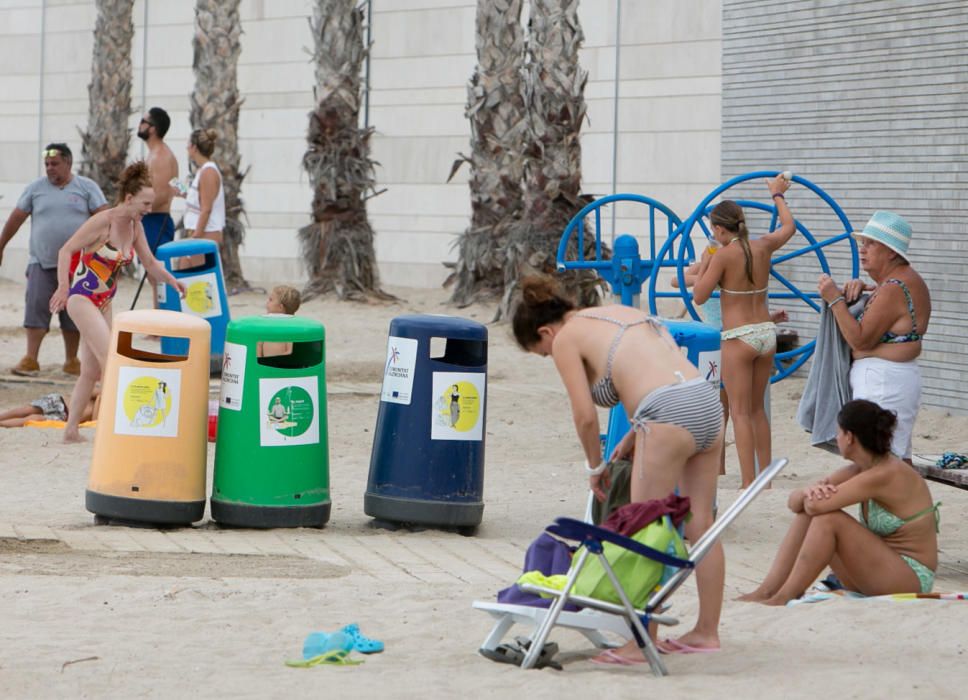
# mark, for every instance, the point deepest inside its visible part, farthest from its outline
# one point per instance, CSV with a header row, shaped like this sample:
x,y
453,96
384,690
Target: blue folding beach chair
x,y
593,538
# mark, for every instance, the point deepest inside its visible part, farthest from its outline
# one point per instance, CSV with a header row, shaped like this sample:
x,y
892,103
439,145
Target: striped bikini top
x,y
603,391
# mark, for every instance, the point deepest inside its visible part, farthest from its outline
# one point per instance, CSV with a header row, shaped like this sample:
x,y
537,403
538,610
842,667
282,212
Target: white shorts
x,y
895,386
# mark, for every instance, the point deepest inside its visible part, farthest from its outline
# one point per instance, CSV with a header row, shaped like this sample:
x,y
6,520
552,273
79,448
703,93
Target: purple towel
x,y
548,555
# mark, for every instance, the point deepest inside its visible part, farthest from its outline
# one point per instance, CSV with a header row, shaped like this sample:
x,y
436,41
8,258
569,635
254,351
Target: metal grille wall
x,y
870,101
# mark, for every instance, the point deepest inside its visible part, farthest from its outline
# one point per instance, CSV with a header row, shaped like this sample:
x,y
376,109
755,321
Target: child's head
x,y
283,300
728,224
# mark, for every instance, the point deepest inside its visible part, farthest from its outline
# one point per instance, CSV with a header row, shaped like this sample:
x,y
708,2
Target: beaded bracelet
x,y
602,466
780,195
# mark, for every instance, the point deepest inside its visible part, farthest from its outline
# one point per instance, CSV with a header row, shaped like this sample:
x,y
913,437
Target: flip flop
x,y
514,652
545,658
674,646
362,644
504,654
319,643
336,657
612,658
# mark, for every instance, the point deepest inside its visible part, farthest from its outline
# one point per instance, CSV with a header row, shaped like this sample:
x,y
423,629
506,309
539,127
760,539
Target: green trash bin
x,y
272,447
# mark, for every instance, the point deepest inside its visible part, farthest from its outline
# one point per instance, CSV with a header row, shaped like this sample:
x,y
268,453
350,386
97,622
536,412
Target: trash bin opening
x,y
137,346
179,264
290,355
465,353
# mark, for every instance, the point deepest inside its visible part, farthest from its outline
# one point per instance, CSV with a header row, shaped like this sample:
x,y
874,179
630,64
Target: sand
x,y
96,611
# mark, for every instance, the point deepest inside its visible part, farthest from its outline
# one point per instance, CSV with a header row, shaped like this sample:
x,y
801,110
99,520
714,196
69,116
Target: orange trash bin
x,y
150,445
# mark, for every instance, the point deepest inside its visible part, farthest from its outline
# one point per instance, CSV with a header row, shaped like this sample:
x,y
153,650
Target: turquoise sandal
x,y
362,644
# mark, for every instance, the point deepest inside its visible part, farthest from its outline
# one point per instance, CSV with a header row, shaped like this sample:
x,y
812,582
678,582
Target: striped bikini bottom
x,y
693,405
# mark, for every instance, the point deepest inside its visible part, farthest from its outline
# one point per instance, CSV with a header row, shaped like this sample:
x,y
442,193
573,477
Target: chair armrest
x,y
572,529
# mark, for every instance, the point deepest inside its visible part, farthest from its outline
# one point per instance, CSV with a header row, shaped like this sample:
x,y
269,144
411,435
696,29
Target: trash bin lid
x,y
276,328
188,246
438,325
693,329
159,322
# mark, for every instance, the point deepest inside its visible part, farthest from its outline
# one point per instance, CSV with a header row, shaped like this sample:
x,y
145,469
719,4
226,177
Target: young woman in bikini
x,y
892,548
741,269
88,267
615,354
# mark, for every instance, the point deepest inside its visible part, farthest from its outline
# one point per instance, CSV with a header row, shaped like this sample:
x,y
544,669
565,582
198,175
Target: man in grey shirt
x,y
57,206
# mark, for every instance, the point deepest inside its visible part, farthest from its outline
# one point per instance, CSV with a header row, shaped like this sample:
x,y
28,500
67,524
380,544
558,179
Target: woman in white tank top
x,y
205,200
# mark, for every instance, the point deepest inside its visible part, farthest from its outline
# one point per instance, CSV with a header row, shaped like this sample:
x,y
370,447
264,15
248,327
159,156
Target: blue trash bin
x,y
205,297
702,345
427,463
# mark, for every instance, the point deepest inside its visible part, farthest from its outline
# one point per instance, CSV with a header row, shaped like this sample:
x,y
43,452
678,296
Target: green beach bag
x,y
639,575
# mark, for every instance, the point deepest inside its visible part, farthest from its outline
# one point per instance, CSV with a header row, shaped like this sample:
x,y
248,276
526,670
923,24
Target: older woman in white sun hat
x,y
886,339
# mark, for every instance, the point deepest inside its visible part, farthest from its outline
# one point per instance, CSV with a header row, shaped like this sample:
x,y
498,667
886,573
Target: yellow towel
x,y
56,424
556,581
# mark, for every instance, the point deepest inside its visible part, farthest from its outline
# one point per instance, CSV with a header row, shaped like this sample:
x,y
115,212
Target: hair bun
x,y
886,420
538,289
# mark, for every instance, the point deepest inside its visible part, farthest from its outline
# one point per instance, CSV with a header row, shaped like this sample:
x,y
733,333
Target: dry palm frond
x,y
104,146
215,104
338,245
554,86
496,111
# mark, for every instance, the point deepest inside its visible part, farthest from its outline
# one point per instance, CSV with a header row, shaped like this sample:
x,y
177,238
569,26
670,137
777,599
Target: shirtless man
x,y
162,166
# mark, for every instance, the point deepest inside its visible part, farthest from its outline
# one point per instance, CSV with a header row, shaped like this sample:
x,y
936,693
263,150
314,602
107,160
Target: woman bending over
x,y
615,354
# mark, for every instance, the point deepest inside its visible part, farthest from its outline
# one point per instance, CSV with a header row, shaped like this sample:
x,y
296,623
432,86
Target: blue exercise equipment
x,y
626,271
685,255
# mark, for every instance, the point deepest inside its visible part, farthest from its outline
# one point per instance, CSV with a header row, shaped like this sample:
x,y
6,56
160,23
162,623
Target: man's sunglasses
x,y
51,153
145,121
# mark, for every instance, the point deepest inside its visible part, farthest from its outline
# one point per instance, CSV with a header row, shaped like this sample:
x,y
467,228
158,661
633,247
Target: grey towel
x,y
828,384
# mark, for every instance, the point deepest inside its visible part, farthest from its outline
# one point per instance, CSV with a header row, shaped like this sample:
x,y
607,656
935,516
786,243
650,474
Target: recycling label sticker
x,y
710,366
233,376
399,370
147,402
288,411
457,406
201,295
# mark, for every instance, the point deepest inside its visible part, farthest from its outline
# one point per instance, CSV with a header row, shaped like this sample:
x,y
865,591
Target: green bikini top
x,y
883,522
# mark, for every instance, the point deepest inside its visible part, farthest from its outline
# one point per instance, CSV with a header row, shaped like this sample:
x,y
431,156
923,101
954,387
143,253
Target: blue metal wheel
x,y
681,248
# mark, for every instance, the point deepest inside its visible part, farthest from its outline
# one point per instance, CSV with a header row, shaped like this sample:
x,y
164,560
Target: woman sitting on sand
x,y
618,354
893,548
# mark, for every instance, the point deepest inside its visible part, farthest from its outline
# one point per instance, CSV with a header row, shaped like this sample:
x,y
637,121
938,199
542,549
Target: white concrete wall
x,y
422,58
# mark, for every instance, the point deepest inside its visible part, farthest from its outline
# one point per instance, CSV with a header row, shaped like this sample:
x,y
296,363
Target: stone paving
x,y
429,557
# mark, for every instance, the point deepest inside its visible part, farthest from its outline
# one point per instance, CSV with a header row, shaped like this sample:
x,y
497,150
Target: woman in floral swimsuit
x,y
88,266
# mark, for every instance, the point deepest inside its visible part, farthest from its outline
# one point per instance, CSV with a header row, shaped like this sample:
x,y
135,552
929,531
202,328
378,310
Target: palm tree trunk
x,y
554,95
215,104
496,112
104,146
338,245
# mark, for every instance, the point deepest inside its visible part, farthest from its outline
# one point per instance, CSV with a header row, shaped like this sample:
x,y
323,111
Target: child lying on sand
x,y
47,407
